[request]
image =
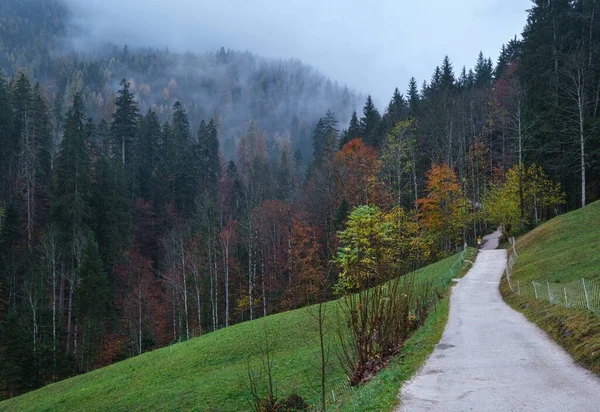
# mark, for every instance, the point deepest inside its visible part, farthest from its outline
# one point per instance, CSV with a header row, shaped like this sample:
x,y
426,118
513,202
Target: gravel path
x,y
491,358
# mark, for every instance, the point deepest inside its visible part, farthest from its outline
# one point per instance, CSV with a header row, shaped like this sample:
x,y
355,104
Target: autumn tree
x,y
358,167
444,210
399,162
541,199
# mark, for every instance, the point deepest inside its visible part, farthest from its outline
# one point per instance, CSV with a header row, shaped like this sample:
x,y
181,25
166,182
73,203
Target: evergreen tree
x,y
111,211
8,141
484,71
353,131
209,161
92,307
186,179
125,123
148,155
181,126
70,207
413,97
325,132
43,131
447,80
369,123
17,363
396,111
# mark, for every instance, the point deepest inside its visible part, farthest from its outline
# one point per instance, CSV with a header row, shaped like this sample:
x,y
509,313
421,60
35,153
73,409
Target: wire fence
x,y
578,294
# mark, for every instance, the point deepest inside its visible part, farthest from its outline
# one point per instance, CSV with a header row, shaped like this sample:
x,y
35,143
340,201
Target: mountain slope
x,y
284,96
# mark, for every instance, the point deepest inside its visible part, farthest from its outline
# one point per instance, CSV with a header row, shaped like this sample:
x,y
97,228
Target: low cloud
x,y
370,46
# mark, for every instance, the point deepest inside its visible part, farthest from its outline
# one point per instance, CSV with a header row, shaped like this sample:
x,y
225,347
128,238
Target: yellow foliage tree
x,y
445,210
540,196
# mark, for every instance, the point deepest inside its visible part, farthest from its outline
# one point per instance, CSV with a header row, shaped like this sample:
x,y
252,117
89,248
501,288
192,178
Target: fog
x,y
372,46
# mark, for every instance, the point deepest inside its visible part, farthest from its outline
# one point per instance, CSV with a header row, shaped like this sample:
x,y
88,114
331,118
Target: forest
x,y
148,197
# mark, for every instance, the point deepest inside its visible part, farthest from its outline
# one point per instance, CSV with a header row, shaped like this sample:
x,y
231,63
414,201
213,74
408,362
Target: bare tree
x,y
78,245
176,275
27,173
576,91
51,253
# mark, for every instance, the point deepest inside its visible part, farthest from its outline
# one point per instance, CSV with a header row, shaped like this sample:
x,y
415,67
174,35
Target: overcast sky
x,y
372,46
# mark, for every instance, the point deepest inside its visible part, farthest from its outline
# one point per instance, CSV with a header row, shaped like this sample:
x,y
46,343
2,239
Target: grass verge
x,y
563,250
210,372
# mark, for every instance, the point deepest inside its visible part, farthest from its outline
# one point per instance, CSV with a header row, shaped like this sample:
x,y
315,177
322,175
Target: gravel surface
x,y
491,358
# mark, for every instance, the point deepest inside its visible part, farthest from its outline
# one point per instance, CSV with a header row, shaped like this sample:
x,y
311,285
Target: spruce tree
x,y
369,123
8,140
92,303
353,131
413,97
148,156
483,72
396,111
447,80
70,206
325,132
209,161
124,124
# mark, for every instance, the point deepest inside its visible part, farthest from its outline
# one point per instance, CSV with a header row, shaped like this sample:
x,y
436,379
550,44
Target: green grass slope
x,y
563,250
210,372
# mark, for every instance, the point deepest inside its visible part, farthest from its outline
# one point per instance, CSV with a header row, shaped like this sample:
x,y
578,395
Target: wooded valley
x,y
148,197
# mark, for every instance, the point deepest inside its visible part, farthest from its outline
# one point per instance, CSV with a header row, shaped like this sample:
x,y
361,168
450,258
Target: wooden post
x,y
518,288
565,290
587,300
534,289
549,294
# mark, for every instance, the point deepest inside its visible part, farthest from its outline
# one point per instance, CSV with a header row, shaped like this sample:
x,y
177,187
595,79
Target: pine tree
x,y
396,111
8,141
326,132
353,131
70,208
185,177
111,211
483,72
125,123
148,156
92,307
181,126
369,123
447,80
413,97
434,84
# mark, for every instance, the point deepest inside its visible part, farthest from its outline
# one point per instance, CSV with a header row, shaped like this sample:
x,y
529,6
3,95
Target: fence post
x,y
549,294
534,289
587,300
565,290
518,288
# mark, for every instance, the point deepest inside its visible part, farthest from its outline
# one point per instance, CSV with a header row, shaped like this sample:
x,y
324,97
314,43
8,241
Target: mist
x,y
372,47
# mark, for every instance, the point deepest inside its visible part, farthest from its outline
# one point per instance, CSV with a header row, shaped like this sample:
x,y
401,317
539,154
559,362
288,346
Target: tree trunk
x,y
69,316
226,262
185,300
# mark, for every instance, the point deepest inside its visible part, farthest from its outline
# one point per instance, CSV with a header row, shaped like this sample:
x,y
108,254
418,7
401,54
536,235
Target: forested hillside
x,y
147,197
38,36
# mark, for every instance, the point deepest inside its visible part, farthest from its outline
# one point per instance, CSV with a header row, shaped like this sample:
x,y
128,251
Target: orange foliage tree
x,y
444,212
358,167
308,264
